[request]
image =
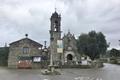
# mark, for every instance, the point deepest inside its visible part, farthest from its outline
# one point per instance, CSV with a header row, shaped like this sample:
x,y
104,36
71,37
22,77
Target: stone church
x,y
70,54
28,53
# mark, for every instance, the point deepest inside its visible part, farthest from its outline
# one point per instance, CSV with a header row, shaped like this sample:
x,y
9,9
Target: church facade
x,y
69,55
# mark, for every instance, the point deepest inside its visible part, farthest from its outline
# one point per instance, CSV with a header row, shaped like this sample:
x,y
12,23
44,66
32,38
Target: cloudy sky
x,y
18,17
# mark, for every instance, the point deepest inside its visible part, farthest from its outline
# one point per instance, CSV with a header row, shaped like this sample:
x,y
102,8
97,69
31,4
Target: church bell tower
x,y
55,34
55,31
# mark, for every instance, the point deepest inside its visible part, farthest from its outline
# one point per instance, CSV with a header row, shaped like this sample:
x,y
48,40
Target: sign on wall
x,y
59,46
37,59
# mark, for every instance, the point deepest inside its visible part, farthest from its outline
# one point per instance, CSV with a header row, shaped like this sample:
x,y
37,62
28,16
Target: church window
x,y
56,26
25,50
56,22
69,48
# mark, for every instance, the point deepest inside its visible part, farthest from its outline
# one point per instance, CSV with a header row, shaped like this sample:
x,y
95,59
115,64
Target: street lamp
x,y
108,45
119,42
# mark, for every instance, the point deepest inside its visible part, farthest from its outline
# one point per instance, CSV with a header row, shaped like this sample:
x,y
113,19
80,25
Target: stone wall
x,y
16,50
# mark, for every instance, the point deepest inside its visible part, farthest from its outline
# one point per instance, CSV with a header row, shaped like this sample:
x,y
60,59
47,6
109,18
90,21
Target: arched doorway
x,y
69,57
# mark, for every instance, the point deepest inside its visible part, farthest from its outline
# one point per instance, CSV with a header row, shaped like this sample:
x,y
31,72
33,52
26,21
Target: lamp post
x,y
119,42
45,49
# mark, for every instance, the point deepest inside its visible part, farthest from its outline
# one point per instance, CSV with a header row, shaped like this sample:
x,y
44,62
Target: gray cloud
x,y
18,17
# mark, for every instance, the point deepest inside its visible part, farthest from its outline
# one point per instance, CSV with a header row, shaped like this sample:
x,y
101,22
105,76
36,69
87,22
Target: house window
x,y
25,50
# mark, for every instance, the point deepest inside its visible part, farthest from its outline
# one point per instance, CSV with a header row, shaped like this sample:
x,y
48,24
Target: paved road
x,y
109,72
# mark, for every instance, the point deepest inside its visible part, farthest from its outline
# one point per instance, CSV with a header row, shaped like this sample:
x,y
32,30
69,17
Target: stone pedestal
x,y
51,68
51,71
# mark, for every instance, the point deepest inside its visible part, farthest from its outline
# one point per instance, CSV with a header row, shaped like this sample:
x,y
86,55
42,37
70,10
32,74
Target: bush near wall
x,y
4,56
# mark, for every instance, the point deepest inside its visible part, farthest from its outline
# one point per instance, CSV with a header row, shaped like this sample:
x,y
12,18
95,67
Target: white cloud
x,y
18,17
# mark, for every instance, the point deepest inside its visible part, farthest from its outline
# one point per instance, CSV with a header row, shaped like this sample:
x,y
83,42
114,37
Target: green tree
x,y
92,44
4,56
114,53
82,41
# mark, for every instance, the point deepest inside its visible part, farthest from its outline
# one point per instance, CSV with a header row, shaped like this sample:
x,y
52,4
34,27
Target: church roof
x,y
27,39
68,34
55,14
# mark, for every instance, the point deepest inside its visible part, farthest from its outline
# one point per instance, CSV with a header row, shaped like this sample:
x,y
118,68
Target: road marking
x,y
99,79
96,79
87,78
45,79
82,78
